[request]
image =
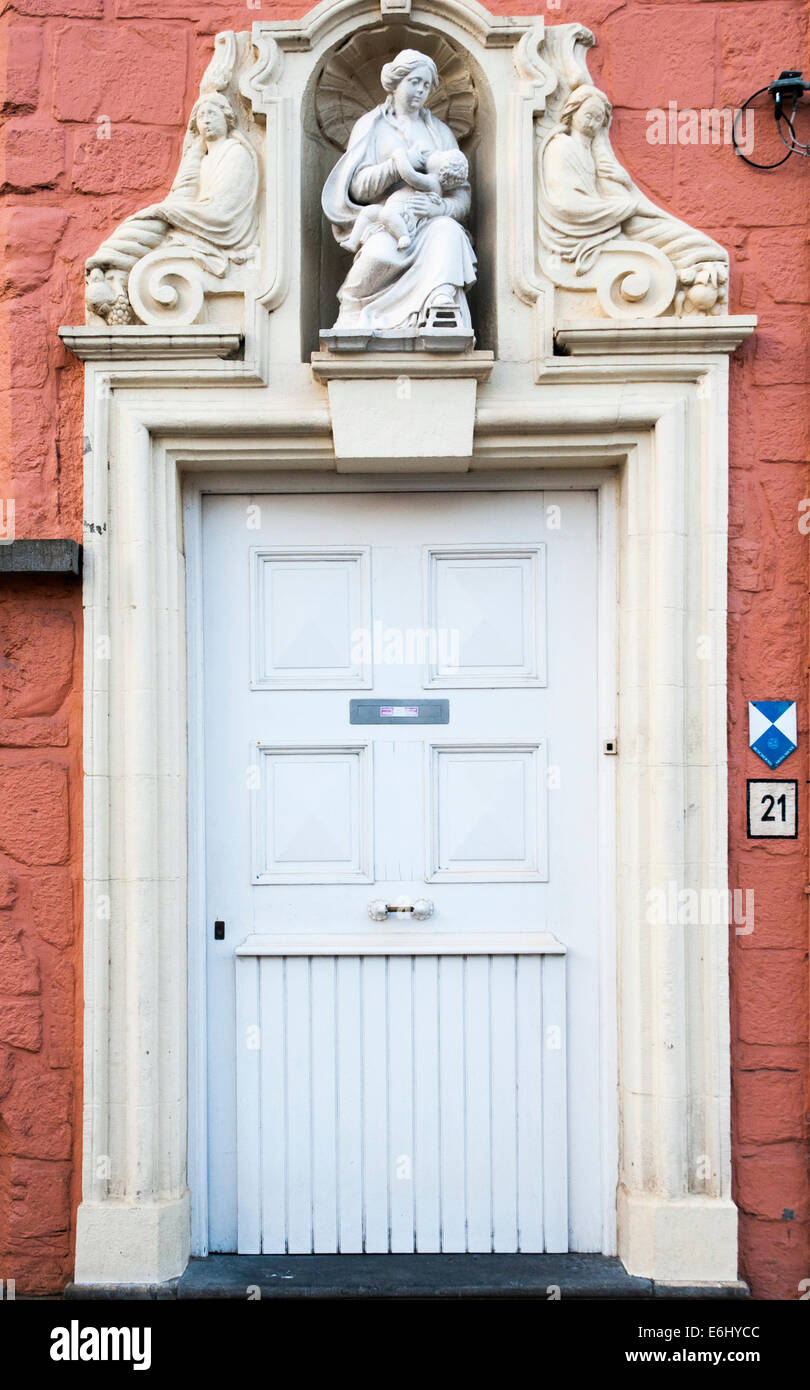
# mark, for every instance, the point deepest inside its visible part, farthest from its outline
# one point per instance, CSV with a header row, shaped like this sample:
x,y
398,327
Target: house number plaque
x,y
773,810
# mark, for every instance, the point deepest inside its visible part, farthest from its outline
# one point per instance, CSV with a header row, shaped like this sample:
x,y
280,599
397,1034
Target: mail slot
x,y
399,712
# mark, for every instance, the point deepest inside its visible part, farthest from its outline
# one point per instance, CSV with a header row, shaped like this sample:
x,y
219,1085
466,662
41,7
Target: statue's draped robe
x,y
224,209
212,205
586,199
578,215
387,288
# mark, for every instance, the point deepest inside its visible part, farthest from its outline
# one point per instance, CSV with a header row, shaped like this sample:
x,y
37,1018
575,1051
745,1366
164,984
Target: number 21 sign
x,y
773,810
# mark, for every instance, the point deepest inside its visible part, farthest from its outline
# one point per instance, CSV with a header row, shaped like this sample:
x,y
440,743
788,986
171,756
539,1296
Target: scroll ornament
x,y
159,263
598,231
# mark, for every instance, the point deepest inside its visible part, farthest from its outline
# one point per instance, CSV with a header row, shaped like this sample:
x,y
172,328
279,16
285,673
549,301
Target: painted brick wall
x,y
40,894
73,72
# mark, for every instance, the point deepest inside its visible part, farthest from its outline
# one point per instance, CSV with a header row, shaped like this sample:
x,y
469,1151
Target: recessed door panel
x,y
487,607
486,814
311,815
306,607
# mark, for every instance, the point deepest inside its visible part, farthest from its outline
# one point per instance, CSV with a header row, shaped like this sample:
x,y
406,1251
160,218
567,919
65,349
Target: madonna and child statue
x,y
397,201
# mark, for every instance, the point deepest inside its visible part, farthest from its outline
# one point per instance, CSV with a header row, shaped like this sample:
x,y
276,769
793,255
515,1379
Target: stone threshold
x,y
582,1277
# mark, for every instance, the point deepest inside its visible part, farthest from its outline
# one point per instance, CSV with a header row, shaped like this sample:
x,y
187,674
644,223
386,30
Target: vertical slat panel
x,y
273,1108
248,1131
504,1102
555,1146
451,1097
350,1099
375,1107
299,1106
530,1104
478,1102
426,1140
401,1103
324,1118
400,1094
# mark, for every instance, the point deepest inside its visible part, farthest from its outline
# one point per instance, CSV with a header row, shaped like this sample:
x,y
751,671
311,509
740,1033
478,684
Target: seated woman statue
x,y
587,199
398,277
211,206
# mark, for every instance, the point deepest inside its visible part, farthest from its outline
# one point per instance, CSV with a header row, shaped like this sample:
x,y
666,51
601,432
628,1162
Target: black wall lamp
x,y
788,89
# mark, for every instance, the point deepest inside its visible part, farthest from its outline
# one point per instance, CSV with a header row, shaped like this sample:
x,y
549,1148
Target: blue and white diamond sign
x,y
772,729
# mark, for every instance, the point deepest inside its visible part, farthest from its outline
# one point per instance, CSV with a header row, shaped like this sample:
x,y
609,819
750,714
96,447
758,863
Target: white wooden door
x,y
402,1083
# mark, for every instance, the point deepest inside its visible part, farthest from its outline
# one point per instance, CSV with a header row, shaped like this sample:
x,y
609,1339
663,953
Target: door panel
x,y
407,1103
312,814
492,601
305,605
485,816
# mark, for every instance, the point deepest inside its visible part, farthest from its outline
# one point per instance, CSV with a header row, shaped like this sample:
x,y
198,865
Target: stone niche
x,y
344,86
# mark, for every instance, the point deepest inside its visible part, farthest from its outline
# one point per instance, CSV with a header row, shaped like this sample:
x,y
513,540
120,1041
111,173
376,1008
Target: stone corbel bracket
x,y
402,411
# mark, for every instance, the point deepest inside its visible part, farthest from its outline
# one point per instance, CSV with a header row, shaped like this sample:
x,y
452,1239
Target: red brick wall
x,y
65,66
707,54
40,901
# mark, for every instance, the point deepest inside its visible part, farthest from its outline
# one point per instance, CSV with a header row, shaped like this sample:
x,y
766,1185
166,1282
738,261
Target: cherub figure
x,y
445,171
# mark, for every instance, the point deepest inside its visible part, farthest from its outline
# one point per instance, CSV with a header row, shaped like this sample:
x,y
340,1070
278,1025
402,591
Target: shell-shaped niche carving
x,y
349,84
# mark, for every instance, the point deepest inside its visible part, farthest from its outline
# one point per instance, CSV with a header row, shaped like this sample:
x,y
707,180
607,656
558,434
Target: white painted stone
x,y
383,426
147,1239
596,229
162,262
668,435
403,186
687,1240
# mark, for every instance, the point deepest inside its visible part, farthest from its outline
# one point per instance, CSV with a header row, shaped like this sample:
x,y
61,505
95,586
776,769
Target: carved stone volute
x,y
159,265
596,231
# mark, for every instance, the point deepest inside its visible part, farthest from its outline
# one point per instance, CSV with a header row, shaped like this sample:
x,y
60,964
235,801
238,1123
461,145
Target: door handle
x,y
420,910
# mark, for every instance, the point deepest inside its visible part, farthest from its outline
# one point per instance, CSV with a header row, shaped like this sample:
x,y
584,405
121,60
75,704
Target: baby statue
x,y
445,171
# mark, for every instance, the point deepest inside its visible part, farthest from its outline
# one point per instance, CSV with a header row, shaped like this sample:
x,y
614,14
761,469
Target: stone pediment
x,y
554,221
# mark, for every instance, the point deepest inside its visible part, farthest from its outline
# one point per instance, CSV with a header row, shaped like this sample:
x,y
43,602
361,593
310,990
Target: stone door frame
x,y
647,399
